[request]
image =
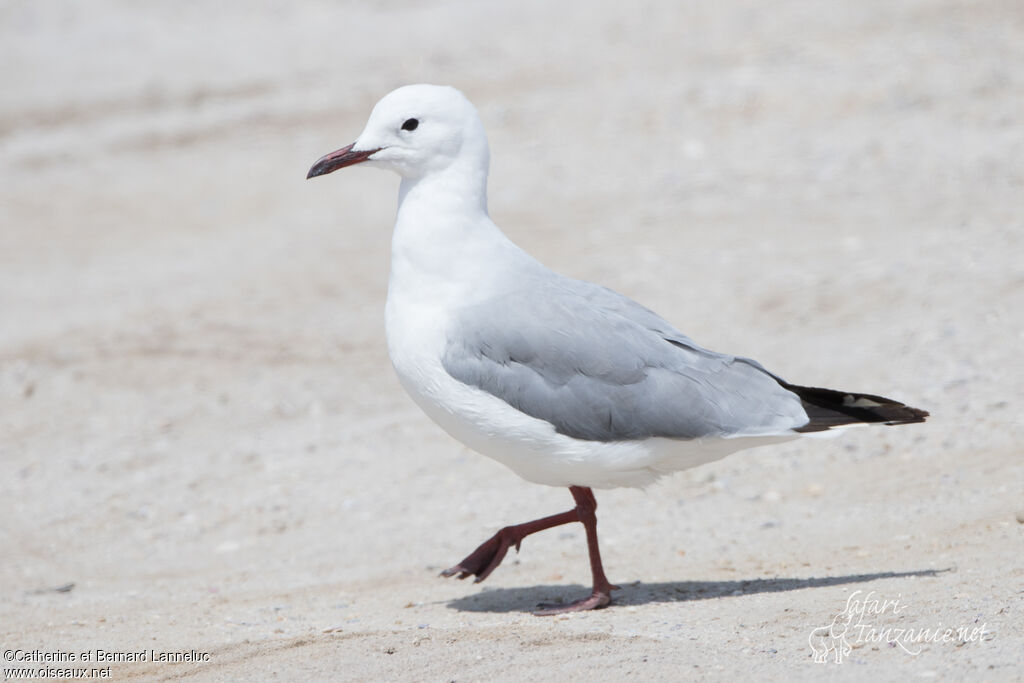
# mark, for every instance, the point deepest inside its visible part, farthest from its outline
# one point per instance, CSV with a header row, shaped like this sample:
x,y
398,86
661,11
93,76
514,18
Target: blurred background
x,y
195,397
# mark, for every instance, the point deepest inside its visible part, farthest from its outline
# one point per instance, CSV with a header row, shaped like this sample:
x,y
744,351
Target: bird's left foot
x,y
597,600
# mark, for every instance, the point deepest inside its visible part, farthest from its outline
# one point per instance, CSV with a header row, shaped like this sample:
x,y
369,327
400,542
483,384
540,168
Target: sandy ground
x,y
203,447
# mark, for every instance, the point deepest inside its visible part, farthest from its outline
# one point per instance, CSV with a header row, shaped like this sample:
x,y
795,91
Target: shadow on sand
x,y
525,598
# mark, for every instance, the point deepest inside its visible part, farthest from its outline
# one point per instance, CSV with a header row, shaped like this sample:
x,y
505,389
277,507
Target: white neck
x,y
445,246
461,188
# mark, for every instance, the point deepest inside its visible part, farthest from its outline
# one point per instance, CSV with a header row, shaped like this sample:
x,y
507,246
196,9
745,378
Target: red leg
x,y
486,558
601,595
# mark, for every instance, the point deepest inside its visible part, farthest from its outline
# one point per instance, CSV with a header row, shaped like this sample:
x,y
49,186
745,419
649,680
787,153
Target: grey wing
x,y
600,367
612,301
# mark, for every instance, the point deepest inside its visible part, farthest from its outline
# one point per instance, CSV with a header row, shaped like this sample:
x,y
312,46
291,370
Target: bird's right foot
x,y
486,558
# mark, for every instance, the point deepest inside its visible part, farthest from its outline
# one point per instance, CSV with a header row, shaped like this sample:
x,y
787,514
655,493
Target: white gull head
x,y
417,131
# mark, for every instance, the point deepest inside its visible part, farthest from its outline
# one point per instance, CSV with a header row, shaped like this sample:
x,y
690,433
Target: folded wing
x,y
600,367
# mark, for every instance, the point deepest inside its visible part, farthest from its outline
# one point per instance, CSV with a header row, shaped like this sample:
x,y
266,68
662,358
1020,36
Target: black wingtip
x,y
829,408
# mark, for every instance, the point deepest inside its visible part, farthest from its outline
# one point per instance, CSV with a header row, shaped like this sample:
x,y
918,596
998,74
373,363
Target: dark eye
x,y
410,124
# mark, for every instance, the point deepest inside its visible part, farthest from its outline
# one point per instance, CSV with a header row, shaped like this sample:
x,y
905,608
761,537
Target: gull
x,y
565,382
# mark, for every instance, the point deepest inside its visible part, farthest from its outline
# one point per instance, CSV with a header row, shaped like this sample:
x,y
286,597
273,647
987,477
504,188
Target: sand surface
x,y
203,448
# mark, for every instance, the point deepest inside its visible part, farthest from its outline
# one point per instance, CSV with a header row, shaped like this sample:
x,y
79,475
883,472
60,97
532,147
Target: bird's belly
x,y
481,421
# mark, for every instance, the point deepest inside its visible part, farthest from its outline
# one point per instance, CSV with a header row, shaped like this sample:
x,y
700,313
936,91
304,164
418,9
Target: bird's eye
x,y
410,124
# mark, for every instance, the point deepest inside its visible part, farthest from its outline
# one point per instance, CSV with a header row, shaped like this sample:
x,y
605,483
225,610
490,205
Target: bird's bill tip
x,y
341,158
